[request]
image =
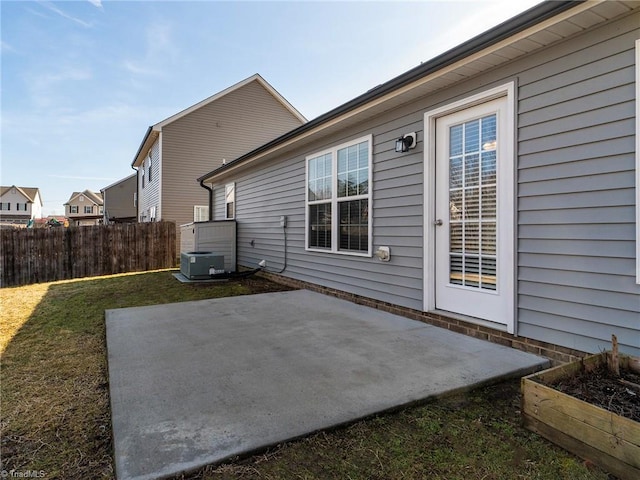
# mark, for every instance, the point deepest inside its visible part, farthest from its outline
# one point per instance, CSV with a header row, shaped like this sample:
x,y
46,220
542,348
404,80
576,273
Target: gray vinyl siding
x,y
149,195
576,192
119,199
264,195
223,129
575,196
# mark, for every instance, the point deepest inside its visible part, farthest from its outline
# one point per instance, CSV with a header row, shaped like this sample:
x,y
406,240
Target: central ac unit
x,y
198,265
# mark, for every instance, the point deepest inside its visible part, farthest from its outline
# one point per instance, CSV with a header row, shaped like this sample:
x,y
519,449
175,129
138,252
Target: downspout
x,y
210,199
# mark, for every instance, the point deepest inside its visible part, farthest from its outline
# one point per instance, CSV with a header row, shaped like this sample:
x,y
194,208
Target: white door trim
x,y
507,90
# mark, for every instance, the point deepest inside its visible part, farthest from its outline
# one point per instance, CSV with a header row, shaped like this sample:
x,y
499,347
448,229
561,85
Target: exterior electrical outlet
x,y
283,221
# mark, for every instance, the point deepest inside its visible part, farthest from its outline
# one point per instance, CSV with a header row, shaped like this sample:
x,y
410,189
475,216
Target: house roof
x,y
541,25
94,197
122,180
29,192
154,130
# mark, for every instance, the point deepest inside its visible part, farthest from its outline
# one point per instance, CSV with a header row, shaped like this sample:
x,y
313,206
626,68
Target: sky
x,y
81,81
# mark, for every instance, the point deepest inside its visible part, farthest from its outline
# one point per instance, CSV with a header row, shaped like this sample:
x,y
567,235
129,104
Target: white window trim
x,y
335,226
638,161
226,189
430,117
200,211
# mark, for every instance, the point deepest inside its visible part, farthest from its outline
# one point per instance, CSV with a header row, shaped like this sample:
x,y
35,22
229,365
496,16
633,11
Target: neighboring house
x,y
18,205
84,208
513,215
182,147
120,200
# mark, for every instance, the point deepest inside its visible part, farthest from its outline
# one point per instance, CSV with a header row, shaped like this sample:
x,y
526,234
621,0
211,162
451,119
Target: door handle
x,y
438,222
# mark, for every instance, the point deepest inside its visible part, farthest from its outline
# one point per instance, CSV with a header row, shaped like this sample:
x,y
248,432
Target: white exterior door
x,y
473,215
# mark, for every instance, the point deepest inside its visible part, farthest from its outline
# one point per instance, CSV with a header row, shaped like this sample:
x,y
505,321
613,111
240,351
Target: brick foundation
x,y
555,353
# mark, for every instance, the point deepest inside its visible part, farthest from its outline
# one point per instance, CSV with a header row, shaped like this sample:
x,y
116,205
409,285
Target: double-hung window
x,y
200,213
88,209
339,199
230,201
73,208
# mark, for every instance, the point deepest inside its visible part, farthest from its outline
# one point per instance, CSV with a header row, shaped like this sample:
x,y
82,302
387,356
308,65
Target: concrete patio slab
x,y
199,382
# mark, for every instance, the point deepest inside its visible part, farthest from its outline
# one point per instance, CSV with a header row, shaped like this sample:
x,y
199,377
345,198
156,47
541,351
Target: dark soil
x,y
602,388
258,284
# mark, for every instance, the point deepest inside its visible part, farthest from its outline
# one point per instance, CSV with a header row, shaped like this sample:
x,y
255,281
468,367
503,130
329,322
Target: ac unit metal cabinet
x,y
196,265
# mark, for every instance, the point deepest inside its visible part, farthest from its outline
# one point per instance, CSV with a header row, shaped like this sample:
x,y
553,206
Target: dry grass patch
x,y
56,417
16,307
55,398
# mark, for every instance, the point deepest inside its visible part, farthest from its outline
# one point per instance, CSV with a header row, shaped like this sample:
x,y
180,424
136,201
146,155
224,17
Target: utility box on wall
x,y
217,237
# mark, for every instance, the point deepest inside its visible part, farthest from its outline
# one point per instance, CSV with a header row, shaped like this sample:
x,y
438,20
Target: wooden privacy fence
x,y
45,255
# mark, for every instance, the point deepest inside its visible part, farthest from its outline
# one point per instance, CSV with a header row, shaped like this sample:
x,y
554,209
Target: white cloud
x,y
53,8
473,23
45,88
160,52
96,3
6,48
79,177
138,68
102,116
490,15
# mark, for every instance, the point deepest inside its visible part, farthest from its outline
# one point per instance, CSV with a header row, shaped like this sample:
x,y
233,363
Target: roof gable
x,y
30,193
122,180
94,197
154,130
254,78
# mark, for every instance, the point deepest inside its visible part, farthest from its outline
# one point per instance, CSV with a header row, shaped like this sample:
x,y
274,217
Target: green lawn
x,y
56,418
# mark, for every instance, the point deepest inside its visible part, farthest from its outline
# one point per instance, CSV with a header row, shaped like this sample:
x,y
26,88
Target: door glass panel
x,y
455,242
455,269
455,172
473,203
471,237
472,169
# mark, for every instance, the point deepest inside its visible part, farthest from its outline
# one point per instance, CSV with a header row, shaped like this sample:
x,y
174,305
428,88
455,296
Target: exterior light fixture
x,y
406,142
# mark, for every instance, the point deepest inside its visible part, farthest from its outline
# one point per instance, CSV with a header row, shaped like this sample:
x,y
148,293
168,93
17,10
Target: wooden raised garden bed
x,y
597,435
